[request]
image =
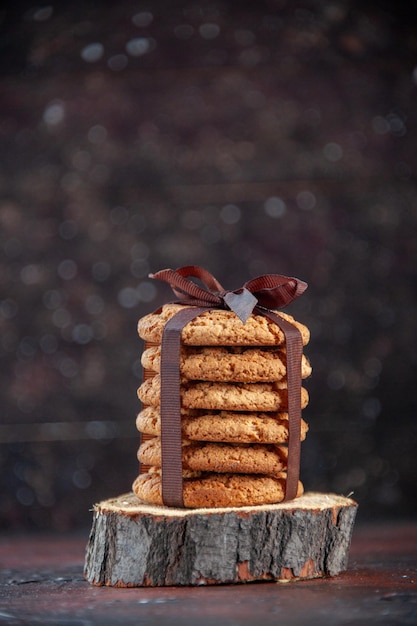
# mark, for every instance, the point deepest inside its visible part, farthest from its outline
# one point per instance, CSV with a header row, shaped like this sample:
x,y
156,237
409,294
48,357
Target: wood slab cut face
x,y
133,544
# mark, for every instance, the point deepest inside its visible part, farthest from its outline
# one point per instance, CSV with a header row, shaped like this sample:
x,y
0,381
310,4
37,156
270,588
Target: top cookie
x,y
219,327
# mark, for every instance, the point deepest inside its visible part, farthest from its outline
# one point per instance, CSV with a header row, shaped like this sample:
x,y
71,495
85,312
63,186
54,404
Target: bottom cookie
x,y
212,490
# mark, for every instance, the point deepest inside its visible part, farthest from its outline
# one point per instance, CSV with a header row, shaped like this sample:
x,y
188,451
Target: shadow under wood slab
x,y
133,544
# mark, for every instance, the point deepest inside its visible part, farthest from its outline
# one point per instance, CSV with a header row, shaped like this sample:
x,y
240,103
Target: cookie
x,y
219,327
232,364
217,490
223,426
221,457
224,396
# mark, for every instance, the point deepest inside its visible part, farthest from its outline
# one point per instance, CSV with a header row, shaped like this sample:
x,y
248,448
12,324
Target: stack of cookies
x,y
234,416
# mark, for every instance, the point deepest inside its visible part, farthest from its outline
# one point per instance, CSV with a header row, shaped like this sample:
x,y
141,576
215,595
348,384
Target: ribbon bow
x,y
270,291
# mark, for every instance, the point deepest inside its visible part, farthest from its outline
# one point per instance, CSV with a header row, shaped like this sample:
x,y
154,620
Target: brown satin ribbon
x,y
170,409
254,296
294,348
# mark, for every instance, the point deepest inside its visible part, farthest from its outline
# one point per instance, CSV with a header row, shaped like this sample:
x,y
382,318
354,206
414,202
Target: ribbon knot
x,y
270,291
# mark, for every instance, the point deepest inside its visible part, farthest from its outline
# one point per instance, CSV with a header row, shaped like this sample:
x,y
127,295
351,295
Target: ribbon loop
x,y
274,291
187,290
204,275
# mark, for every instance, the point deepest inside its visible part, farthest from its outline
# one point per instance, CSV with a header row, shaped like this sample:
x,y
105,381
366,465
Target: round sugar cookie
x,y
223,426
224,396
219,327
221,457
217,490
228,364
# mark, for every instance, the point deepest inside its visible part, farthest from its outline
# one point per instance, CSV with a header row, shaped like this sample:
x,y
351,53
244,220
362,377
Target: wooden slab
x,y
133,544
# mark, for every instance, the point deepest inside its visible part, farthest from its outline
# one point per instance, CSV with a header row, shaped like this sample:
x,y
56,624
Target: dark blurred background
x,y
249,138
